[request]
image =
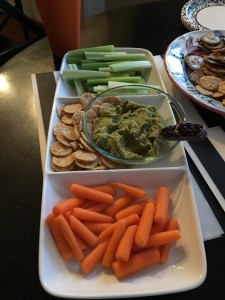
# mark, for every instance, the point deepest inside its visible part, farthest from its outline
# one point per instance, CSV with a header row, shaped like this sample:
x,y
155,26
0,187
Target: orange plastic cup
x,y
61,21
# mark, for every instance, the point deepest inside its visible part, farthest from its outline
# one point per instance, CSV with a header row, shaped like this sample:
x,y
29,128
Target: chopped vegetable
x,y
107,63
125,243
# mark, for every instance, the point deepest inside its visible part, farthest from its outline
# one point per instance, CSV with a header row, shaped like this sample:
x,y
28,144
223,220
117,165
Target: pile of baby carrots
x,y
115,225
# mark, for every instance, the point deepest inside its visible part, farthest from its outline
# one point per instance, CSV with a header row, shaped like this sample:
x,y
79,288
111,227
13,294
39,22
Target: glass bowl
x,y
124,123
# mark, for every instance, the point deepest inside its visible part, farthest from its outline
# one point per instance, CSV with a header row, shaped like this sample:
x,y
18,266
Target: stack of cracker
x,y
71,151
207,72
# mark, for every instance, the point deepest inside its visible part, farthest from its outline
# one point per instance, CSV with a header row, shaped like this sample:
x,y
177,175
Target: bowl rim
x,y
175,106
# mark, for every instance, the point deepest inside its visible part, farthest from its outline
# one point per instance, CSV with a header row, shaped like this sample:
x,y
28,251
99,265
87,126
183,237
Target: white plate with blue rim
x,y
202,14
176,68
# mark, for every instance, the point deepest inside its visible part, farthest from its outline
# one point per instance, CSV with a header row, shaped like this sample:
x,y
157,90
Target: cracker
x,y
217,95
203,91
99,168
74,145
58,127
77,131
210,83
196,75
90,116
63,169
87,146
85,156
216,69
60,137
67,119
194,62
210,40
108,163
86,98
58,149
69,133
87,165
77,117
63,162
72,108
60,110
221,87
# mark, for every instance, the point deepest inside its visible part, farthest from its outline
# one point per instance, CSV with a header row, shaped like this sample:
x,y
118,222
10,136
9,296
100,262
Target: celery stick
x,y
78,74
133,91
77,82
128,56
96,81
77,52
100,55
130,66
73,59
122,74
104,69
100,88
87,65
87,87
113,84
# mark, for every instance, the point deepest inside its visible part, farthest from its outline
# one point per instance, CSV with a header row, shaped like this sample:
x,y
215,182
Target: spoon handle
x,y
184,131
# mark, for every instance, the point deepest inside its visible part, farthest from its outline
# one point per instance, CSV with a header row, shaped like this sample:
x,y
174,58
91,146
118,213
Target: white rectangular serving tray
x,y
186,267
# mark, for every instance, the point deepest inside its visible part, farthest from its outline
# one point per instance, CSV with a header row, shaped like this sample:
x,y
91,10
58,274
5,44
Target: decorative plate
x,y
204,14
176,69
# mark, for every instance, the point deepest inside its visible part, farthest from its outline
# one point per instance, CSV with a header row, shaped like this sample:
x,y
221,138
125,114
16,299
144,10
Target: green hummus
x,y
129,130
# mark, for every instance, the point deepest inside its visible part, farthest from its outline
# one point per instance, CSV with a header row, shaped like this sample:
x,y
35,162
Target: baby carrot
x,y
81,242
96,227
67,232
161,238
80,229
165,249
126,243
61,243
130,220
161,205
110,251
158,227
106,188
66,205
136,262
94,257
91,194
135,208
98,207
87,204
86,215
107,232
67,214
132,190
145,224
118,204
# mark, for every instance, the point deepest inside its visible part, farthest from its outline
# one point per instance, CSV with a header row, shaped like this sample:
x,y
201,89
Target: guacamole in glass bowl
x,y
124,123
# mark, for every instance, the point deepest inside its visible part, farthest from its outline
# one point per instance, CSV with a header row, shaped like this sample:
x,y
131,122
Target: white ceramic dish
x,y
201,14
172,159
176,69
184,270
64,89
